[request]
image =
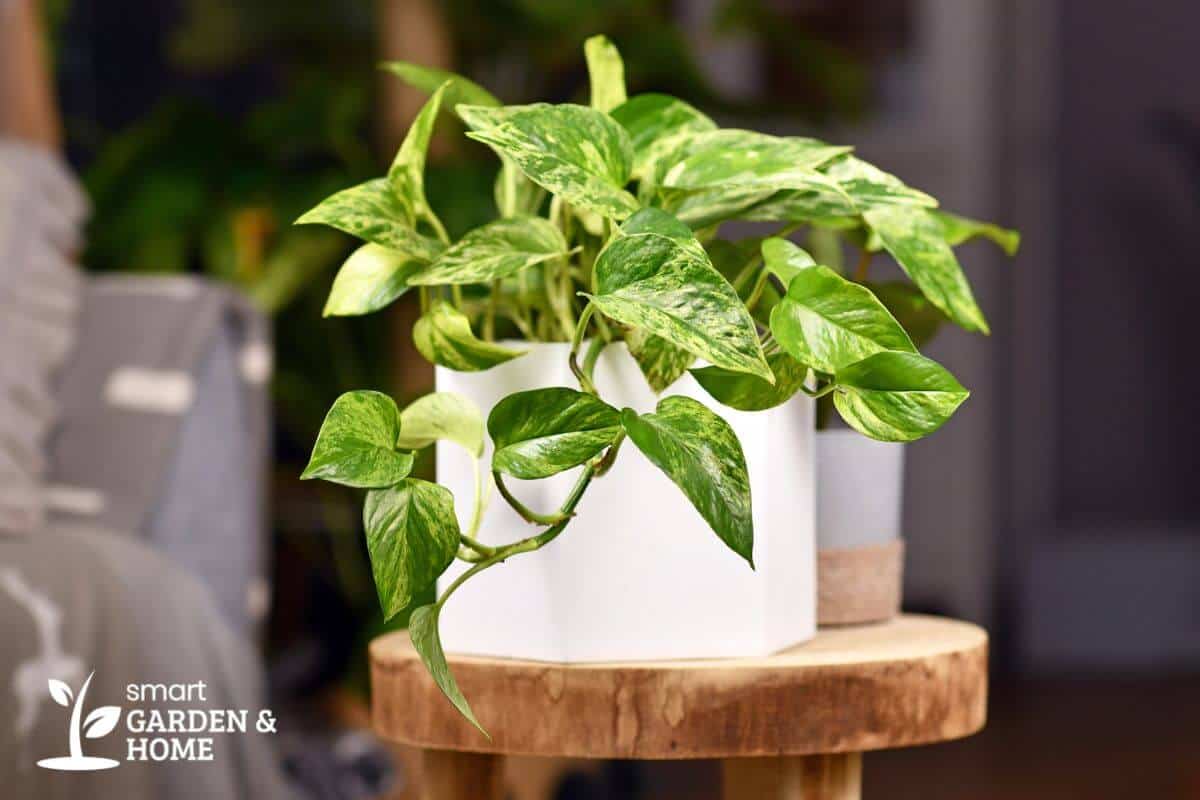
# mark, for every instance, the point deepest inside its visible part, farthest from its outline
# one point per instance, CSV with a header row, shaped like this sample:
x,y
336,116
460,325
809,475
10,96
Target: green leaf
x,y
653,121
516,195
661,362
914,238
702,455
733,158
732,258
828,322
371,278
443,335
578,153
785,260
896,397
372,212
819,202
607,73
545,431
749,392
656,276
919,317
357,443
407,173
412,536
870,186
423,631
430,79
442,415
494,251
956,230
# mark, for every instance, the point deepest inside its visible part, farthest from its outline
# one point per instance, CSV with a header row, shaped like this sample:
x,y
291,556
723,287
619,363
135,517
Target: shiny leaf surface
x,y
607,73
494,251
372,212
897,397
545,431
370,279
407,173
442,415
423,631
653,121
357,443
749,392
443,335
784,259
870,186
661,362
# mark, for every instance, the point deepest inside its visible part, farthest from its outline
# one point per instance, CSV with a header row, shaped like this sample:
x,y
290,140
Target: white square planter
x,y
638,574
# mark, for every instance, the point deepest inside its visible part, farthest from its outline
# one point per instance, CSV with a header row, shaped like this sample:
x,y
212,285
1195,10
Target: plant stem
x,y
438,228
756,292
424,293
489,318
527,514
864,263
585,383
815,393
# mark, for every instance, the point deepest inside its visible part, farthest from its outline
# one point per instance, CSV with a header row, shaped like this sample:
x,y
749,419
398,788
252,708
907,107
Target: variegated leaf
x,y
653,121
370,279
442,415
750,392
412,536
542,432
423,631
430,79
828,322
372,212
661,362
702,455
785,260
607,73
914,238
494,251
357,443
732,158
870,186
443,335
656,276
896,397
407,173
578,153
957,229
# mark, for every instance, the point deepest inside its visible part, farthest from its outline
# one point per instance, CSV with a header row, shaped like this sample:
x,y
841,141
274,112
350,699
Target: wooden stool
x,y
787,726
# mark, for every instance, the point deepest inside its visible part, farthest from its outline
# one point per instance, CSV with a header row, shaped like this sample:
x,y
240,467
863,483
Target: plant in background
x,y
608,231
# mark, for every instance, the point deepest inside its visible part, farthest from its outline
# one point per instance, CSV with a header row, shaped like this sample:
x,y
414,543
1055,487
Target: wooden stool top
x,y
913,680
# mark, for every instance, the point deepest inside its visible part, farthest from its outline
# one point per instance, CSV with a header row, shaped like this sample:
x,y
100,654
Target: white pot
x,y
860,486
638,574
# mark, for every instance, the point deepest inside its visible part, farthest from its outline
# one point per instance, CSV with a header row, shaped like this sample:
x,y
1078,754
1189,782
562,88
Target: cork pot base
x,y
859,584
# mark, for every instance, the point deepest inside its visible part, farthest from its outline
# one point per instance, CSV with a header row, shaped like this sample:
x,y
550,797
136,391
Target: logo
x,y
98,723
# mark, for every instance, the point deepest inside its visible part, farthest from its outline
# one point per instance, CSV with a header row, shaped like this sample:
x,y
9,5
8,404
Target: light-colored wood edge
x,y
859,584
913,680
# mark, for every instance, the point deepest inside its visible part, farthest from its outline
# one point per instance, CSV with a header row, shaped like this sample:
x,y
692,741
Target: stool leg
x,y
828,777
447,775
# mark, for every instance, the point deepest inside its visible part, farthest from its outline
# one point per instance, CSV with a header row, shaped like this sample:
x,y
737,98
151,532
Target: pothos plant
x,y
608,225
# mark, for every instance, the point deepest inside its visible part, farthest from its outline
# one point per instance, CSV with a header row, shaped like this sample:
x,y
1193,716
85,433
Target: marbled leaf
x,y
412,536
750,392
442,415
661,362
732,158
370,279
914,238
607,73
653,121
702,455
578,153
407,173
542,432
423,631
656,276
896,397
372,212
494,251
430,79
870,186
443,335
357,443
957,229
828,322
785,260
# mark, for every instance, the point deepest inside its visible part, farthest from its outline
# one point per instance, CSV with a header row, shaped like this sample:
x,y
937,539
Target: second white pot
x,y
638,574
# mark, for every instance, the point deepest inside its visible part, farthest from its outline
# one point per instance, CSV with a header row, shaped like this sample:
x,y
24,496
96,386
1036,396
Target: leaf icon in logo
x,y
101,721
60,692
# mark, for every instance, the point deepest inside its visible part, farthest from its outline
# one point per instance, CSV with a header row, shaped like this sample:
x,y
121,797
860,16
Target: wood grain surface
x,y
911,680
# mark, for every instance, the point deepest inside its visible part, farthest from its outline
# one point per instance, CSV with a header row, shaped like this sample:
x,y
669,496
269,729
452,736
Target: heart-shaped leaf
x,y
545,431
828,322
60,692
372,212
101,721
896,397
430,79
442,415
607,73
653,120
494,251
407,173
750,392
784,259
370,279
956,230
661,362
423,631
702,455
443,335
357,443
915,239
578,153
656,276
412,536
